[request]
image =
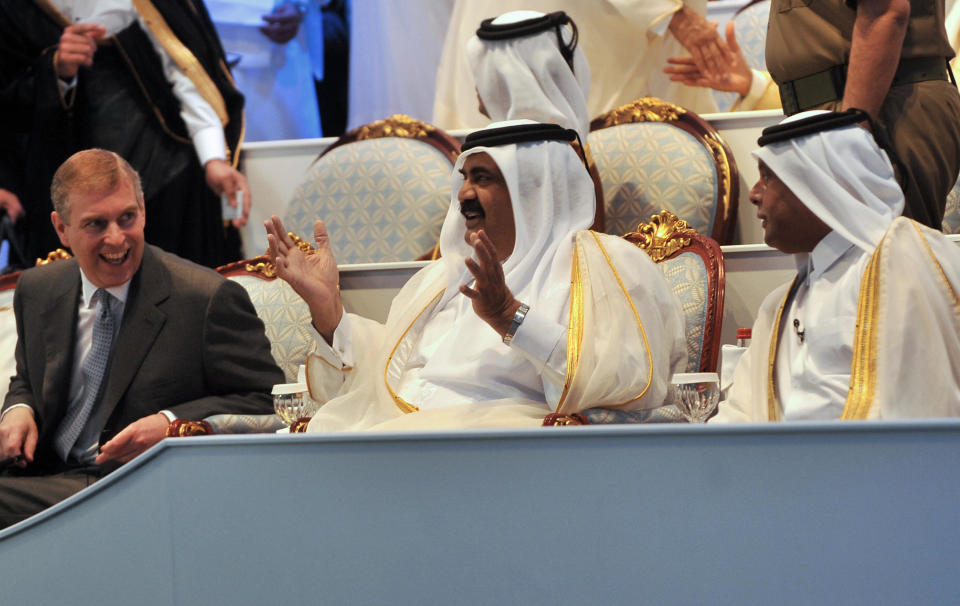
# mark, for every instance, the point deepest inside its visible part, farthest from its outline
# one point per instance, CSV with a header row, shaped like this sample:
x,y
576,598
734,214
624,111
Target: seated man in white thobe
x,y
869,327
526,315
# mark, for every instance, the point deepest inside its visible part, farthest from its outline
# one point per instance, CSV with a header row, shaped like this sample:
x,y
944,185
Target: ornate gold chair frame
x,y
666,237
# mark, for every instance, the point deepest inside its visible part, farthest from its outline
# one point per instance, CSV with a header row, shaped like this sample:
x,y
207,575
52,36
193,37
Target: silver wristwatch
x,y
517,321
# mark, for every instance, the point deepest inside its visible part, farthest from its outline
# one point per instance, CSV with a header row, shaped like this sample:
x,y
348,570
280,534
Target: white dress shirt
x,y
813,371
201,120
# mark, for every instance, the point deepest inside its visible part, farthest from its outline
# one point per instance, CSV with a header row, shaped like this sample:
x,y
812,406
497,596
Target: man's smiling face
x,y
485,203
104,229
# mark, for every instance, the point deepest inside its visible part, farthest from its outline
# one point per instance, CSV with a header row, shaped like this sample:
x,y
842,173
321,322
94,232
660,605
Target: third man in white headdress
x,y
870,327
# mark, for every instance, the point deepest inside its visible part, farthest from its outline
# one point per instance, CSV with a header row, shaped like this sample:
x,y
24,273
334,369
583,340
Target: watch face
x,y
515,324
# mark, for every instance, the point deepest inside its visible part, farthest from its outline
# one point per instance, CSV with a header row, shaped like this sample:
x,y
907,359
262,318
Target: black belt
x,y
826,86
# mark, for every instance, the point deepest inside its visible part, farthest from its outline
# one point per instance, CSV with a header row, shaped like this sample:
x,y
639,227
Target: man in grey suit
x,y
116,342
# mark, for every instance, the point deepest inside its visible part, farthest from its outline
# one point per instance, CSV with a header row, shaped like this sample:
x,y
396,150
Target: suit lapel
x,y
60,330
142,321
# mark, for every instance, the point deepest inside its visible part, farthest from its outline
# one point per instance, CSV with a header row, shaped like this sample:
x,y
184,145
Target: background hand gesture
x,y
732,74
699,37
78,44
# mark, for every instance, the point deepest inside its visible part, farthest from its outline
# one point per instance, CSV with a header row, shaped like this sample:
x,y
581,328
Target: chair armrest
x,y
181,428
664,414
234,423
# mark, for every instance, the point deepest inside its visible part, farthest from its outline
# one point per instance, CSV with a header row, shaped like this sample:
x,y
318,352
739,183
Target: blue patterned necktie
x,y
94,368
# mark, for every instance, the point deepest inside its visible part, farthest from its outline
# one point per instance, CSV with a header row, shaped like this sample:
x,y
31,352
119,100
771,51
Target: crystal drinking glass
x,y
292,401
696,395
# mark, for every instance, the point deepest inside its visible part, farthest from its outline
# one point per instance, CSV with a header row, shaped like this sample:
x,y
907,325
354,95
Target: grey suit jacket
x,y
190,342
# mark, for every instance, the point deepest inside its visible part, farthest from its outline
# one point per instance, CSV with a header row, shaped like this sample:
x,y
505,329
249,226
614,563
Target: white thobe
x,y
813,373
449,367
881,337
540,342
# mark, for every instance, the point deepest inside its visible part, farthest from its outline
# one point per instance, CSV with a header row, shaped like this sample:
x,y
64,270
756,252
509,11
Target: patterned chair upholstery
x,y
382,189
285,315
951,216
286,320
694,269
8,324
654,155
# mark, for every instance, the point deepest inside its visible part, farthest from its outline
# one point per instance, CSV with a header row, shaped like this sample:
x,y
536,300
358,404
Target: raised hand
x,y
282,23
699,37
492,300
314,277
733,73
78,43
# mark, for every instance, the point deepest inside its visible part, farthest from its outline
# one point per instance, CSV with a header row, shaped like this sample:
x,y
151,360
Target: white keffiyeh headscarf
x,y
528,78
552,197
843,176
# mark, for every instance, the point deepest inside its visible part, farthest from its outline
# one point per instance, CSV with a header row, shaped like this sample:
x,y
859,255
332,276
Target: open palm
x,y
313,276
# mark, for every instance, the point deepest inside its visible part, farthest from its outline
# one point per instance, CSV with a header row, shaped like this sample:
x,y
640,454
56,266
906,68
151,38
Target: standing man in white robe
x,y
528,65
629,39
278,49
526,316
870,327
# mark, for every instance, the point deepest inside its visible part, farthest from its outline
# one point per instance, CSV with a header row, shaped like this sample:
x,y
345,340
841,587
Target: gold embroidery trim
x,y
863,372
306,371
314,355
143,88
233,155
53,12
402,404
643,332
184,59
574,326
773,407
936,263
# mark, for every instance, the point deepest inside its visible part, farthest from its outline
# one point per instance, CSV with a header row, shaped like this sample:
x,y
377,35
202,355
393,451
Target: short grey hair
x,y
91,171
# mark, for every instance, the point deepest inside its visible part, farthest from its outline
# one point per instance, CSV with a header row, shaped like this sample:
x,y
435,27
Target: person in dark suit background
x,y
187,343
148,81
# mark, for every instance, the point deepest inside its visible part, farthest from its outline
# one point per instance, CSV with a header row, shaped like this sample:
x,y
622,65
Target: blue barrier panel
x,y
852,513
